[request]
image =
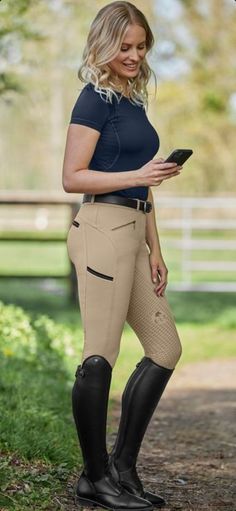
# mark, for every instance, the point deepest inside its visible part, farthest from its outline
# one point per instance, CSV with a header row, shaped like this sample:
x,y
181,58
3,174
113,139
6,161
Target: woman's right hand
x,y
156,171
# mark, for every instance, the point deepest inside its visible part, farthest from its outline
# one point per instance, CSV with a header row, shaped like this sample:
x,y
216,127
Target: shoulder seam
x,y
91,86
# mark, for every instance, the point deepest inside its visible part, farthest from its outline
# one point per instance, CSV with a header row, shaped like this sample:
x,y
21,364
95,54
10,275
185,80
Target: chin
x,y
129,74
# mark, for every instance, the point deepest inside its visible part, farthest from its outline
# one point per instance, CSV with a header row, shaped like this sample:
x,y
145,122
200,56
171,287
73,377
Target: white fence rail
x,y
192,227
198,234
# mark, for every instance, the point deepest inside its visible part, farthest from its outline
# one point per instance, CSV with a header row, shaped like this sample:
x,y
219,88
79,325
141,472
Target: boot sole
x,y
92,504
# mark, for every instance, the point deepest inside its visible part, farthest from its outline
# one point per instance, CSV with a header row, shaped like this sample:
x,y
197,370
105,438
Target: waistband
x,y
145,206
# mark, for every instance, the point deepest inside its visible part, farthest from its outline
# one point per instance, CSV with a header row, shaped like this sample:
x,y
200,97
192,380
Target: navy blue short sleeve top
x,y
127,141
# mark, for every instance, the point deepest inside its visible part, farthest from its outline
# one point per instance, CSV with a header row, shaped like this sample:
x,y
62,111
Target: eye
x,y
140,48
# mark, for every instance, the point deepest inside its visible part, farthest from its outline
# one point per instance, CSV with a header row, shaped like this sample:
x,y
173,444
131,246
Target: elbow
x,y
66,180
72,182
71,187
67,187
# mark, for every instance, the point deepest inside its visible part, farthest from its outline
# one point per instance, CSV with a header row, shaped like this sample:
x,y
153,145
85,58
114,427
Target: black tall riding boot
x,y
139,400
89,402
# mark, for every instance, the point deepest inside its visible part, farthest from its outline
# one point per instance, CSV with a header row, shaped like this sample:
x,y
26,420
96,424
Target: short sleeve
x,y
90,109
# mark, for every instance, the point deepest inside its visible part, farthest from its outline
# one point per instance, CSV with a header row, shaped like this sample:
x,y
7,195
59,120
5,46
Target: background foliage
x,y
41,44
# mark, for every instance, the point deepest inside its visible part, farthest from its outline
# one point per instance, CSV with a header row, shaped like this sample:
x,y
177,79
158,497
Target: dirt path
x,y
189,452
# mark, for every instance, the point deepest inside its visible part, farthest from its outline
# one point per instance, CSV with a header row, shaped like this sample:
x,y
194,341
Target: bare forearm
x,y
152,238
96,182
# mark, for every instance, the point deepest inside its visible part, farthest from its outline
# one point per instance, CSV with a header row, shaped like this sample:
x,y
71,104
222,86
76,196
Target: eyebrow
x,y
127,44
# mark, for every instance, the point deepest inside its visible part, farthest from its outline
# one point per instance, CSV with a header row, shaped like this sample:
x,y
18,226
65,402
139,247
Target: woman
x,y
113,243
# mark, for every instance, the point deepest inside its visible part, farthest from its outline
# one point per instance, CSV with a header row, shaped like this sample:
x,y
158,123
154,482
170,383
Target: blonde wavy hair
x,y
103,44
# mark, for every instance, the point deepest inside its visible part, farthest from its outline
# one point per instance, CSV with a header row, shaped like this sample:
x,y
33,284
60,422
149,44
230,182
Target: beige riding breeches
x,y
106,243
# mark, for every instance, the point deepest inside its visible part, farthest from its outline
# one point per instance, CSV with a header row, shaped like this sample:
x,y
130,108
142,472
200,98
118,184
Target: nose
x,y
134,55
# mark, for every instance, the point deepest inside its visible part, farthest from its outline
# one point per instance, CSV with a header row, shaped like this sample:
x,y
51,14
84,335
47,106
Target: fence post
x,y
186,242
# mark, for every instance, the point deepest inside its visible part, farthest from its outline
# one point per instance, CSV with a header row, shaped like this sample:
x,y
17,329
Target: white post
x,y
186,243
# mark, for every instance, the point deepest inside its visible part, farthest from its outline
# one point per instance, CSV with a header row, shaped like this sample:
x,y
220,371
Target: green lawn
x,y
46,258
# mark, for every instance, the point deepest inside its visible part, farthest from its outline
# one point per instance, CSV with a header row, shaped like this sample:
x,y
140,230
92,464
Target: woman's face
x,y
132,52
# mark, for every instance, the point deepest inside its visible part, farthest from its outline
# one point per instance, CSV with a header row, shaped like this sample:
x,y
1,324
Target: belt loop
x,y
92,198
138,203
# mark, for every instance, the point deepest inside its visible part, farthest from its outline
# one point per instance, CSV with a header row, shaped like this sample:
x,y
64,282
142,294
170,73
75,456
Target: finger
x,y
169,166
171,175
170,170
163,283
165,166
166,175
161,290
163,275
157,182
154,273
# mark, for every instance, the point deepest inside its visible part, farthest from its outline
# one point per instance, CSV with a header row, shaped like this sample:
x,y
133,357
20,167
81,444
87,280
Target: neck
x,y
122,83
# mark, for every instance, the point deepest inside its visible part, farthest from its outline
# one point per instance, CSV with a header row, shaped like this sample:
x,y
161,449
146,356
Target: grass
x,y
37,414
31,485
40,459
35,258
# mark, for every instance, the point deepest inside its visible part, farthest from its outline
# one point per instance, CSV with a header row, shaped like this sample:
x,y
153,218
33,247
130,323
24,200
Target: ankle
x,y
124,465
93,476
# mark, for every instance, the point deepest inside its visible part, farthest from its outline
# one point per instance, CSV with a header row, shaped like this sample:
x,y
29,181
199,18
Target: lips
x,y
131,66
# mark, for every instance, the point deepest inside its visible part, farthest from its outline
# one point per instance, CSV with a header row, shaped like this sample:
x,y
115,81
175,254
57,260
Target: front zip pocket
x,y
75,223
124,225
98,274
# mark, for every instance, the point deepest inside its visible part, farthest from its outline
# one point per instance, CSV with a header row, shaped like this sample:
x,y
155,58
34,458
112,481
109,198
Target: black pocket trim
x,y
75,223
98,274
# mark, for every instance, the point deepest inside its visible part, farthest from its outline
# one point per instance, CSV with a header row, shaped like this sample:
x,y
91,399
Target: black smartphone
x,y
179,156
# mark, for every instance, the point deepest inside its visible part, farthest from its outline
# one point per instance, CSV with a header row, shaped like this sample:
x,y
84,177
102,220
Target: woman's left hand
x,y
159,272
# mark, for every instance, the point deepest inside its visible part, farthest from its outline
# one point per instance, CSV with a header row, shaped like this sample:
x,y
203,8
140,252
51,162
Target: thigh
x,y
105,274
150,316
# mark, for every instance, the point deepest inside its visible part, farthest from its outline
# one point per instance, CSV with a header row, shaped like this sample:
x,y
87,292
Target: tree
x,y
196,105
14,28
